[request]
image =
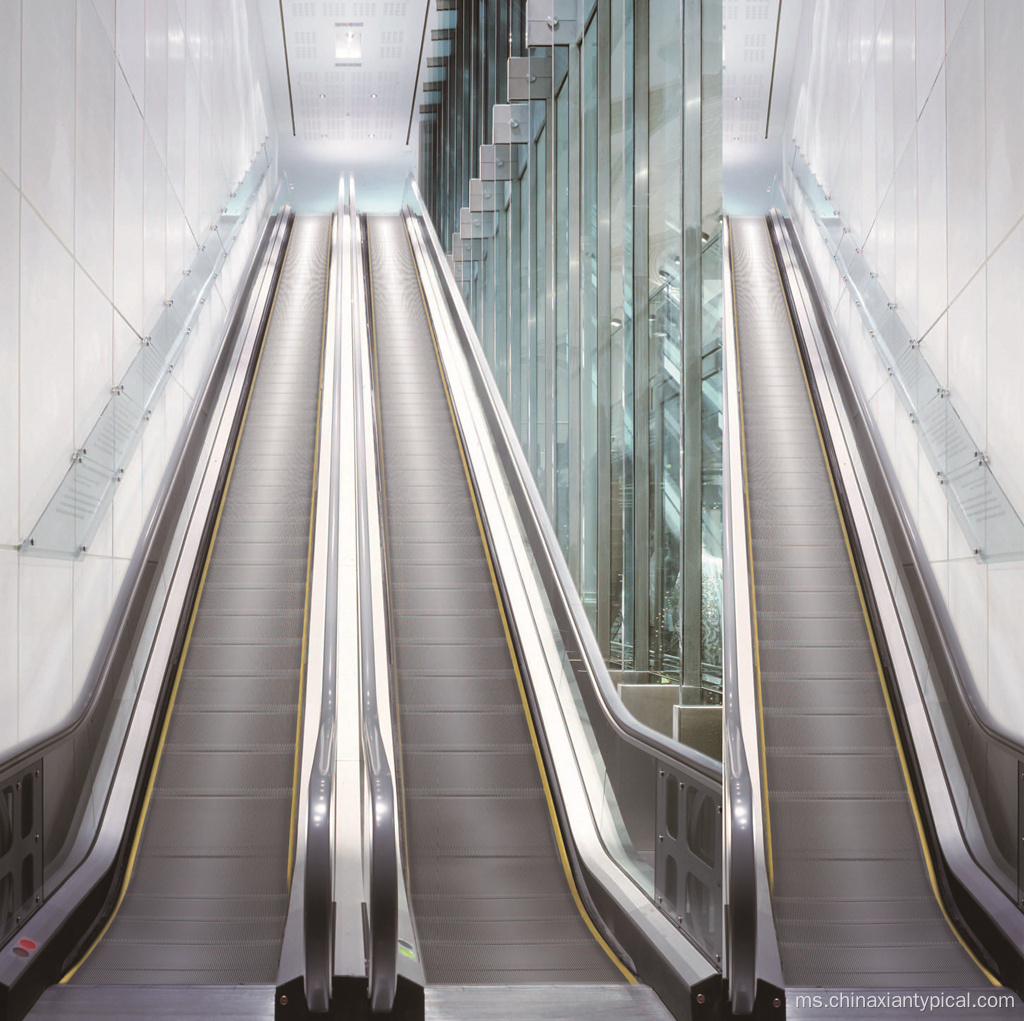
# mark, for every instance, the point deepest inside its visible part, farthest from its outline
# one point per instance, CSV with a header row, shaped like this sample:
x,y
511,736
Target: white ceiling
x,y
350,115
750,161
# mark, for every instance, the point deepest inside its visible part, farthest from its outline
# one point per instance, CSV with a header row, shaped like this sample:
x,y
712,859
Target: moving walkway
x,y
527,846
190,814
863,882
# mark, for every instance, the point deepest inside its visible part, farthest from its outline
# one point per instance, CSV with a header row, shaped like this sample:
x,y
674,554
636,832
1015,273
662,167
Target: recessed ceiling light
x,y
323,95
348,45
371,134
373,95
323,136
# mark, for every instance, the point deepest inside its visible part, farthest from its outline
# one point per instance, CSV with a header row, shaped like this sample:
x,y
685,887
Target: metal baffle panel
x,y
490,900
688,857
21,846
208,895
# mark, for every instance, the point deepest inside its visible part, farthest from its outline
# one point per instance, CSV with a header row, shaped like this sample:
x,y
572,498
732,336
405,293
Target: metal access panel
x,y
21,846
688,858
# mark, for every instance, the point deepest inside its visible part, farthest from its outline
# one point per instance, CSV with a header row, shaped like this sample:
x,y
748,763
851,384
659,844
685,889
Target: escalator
x,y
205,892
490,898
853,885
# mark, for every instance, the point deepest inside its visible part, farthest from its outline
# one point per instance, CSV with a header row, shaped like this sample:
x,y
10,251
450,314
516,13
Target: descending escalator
x,y
491,897
853,889
205,897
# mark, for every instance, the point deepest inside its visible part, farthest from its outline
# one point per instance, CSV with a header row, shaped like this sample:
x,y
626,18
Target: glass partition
x,y
602,337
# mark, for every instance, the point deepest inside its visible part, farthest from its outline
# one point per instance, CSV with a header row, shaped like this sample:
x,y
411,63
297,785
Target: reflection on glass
x,y
580,301
588,367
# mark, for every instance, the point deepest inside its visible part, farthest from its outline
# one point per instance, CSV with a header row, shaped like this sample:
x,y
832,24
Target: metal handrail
x,y
741,814
318,875
380,829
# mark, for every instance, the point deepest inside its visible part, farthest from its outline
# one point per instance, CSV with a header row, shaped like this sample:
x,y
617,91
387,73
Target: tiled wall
x,y
124,126
911,114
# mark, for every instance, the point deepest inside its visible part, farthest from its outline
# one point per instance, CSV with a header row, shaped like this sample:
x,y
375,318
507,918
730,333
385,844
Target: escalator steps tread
x,y
489,898
208,895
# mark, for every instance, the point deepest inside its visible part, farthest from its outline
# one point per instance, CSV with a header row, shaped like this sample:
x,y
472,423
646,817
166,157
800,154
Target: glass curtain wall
x,y
590,259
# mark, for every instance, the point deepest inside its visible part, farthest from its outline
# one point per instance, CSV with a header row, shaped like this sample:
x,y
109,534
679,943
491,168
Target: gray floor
x,y
489,898
442,1003
208,895
155,1003
852,899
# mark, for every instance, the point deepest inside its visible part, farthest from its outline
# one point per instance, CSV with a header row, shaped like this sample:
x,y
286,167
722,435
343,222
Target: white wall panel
x,y
10,397
129,204
46,364
156,74
106,9
94,149
45,661
931,205
93,596
154,288
1004,385
124,127
9,648
965,149
912,113
1004,117
10,86
47,92
130,35
94,338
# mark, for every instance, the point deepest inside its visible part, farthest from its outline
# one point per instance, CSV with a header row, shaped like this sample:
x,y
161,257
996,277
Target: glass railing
x,y
992,527
74,514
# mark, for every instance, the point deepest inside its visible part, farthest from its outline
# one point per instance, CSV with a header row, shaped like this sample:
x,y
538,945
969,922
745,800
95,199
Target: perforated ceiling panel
x,y
348,62
748,47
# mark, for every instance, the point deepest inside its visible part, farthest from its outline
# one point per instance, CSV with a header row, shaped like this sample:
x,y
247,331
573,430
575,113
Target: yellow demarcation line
x,y
184,650
922,837
753,592
304,666
563,856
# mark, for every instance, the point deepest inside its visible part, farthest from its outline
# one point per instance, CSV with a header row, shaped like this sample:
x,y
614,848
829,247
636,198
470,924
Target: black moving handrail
x,y
380,828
